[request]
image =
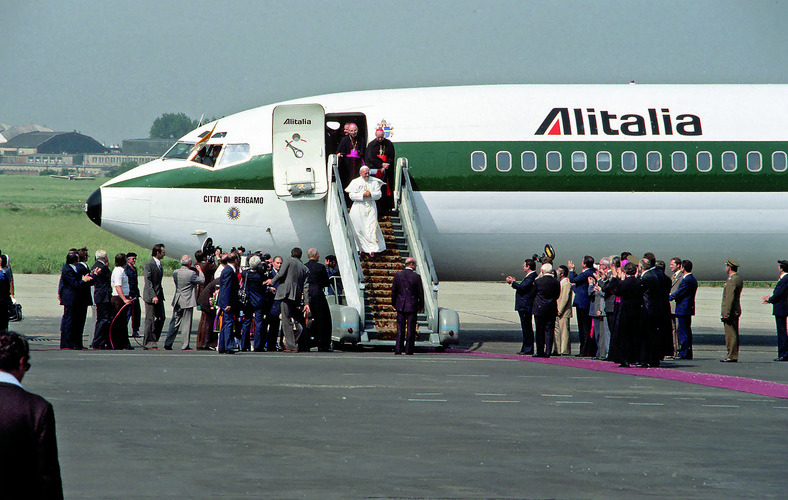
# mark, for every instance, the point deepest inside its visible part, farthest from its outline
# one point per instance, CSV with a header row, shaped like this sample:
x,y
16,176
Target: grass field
x,y
41,218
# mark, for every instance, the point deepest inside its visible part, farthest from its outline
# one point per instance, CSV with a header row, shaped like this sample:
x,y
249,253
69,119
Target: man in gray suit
x,y
291,278
183,302
153,296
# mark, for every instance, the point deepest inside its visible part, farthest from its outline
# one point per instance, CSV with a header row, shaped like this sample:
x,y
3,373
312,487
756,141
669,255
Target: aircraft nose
x,y
93,207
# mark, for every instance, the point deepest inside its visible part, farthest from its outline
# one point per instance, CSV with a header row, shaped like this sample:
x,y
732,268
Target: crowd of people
x,y
248,301
630,311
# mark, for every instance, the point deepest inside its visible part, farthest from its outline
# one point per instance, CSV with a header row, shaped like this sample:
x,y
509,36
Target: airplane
x,y
486,176
73,177
695,171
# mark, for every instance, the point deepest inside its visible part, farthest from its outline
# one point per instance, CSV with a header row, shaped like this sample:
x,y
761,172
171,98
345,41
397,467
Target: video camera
x,y
547,256
209,251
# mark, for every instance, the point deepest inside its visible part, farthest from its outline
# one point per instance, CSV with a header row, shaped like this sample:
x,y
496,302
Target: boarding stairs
x,y
366,282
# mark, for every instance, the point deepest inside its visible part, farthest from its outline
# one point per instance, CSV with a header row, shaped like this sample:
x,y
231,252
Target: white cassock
x,y
364,214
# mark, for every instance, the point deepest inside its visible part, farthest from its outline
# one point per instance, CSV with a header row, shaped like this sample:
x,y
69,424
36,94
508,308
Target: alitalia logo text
x,y
297,121
578,121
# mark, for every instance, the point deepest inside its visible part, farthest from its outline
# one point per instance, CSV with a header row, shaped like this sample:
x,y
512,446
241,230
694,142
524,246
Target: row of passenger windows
x,y
629,161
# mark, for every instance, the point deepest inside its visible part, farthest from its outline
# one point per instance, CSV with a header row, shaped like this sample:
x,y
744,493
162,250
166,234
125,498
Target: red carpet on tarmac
x,y
749,385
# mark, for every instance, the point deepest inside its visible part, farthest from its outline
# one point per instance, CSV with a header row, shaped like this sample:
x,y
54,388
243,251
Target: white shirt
x,y
9,379
119,277
218,271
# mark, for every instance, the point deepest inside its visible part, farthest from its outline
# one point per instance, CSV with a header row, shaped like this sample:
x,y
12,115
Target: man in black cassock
x,y
351,155
379,158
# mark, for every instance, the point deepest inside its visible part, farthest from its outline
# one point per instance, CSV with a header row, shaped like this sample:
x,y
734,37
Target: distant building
x,y
115,160
8,132
148,147
29,149
71,143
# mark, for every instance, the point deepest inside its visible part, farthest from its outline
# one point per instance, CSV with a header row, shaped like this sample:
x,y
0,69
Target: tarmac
x,y
475,422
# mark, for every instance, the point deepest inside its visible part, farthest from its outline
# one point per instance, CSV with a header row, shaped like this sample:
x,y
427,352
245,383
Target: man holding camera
x,y
186,279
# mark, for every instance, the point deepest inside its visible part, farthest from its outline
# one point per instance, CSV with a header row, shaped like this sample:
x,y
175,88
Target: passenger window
x,y
503,161
754,161
654,161
553,161
629,161
729,161
779,161
578,161
235,153
603,161
704,161
478,161
679,160
528,161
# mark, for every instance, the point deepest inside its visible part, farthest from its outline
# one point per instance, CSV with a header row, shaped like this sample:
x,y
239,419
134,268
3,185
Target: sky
x,y
108,68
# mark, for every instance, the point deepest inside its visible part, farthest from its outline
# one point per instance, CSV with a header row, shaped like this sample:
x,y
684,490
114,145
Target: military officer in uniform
x,y
731,310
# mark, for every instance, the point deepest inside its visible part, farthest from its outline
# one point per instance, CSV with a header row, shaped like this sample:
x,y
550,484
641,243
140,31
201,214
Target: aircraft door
x,y
299,157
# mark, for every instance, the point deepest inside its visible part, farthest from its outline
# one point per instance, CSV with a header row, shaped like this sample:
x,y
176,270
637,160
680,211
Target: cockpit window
x,y
207,155
180,151
235,153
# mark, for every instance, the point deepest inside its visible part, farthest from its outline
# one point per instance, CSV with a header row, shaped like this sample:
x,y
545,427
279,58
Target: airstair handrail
x,y
340,229
418,245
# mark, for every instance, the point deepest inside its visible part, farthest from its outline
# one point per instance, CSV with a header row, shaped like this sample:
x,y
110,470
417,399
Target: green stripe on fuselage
x,y
446,166
255,174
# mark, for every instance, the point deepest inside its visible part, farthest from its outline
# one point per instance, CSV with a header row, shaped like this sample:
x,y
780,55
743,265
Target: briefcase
x,y
15,312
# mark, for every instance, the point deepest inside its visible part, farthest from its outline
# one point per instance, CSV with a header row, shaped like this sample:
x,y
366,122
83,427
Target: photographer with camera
x,y
187,279
258,302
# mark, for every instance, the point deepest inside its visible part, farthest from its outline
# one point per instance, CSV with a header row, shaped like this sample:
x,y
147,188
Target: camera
x,y
209,251
547,256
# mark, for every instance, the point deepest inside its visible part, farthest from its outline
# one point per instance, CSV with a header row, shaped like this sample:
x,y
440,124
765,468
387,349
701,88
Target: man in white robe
x,y
364,191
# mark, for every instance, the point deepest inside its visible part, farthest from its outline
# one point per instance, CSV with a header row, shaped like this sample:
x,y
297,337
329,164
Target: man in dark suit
x,y
153,296
258,304
85,295
524,303
684,297
545,310
655,287
582,303
5,292
407,297
102,297
72,282
779,302
272,316
29,466
134,309
228,304
315,298
291,278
